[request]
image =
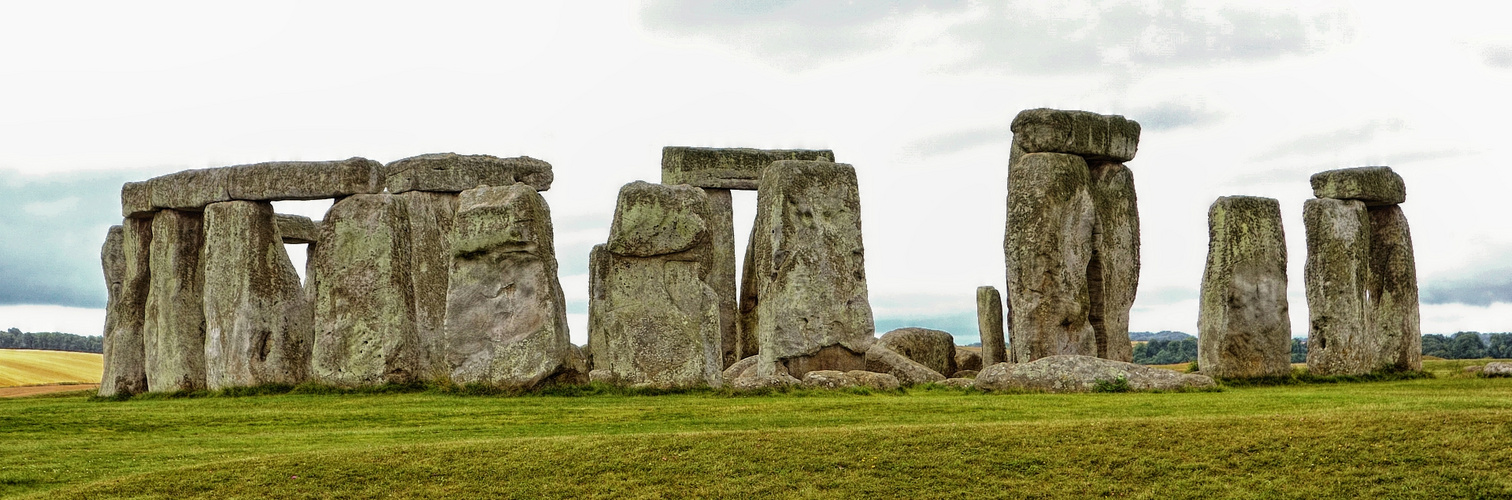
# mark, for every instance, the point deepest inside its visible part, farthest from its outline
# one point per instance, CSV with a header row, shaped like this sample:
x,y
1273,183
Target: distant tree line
x,y
51,341
1468,345
1166,352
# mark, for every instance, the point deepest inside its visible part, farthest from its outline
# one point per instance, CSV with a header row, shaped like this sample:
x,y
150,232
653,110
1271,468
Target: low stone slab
x,y
728,168
1244,324
968,360
1376,186
880,359
827,379
739,369
454,173
192,190
1086,134
125,258
1496,369
959,382
932,348
1066,373
874,380
296,229
753,382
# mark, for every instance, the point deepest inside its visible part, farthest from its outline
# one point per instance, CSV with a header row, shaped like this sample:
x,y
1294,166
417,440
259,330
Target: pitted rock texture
x,y
990,326
739,369
1376,186
1048,247
1244,324
880,359
454,173
752,382
932,348
727,168
827,379
1393,290
126,260
1081,374
655,219
874,380
363,299
1497,369
174,327
1089,135
257,324
1113,271
721,222
968,360
432,216
296,229
1339,341
808,280
506,319
286,180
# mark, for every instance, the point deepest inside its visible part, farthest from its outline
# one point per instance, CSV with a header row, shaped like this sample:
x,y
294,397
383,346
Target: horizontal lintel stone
x,y
1376,186
192,190
296,229
454,173
1089,135
728,168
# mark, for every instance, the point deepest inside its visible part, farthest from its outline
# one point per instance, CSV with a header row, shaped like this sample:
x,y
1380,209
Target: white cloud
x,y
49,318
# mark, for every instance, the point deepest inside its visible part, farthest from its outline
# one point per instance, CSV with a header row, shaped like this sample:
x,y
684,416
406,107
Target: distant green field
x,y
29,367
1446,437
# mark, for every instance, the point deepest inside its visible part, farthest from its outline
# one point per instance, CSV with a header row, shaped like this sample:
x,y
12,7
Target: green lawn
x,y
1445,437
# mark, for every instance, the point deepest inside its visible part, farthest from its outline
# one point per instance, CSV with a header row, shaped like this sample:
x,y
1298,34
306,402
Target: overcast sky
x,y
1235,98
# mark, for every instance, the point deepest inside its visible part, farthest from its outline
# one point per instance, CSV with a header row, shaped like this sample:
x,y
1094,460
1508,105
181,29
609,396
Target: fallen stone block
x,y
1065,373
932,348
968,360
827,379
874,380
883,360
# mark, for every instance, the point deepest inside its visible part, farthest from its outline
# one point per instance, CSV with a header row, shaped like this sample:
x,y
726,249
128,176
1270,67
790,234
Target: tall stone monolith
x,y
126,261
1243,324
506,319
990,326
1113,270
1048,245
1337,273
431,215
1393,291
174,327
257,324
721,220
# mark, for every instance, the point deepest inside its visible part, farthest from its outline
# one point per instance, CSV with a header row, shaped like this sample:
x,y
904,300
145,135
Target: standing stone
x,y
363,294
257,330
990,325
431,215
654,318
125,257
721,221
1392,290
1048,246
1337,273
1244,326
745,313
809,270
506,319
1113,271
174,330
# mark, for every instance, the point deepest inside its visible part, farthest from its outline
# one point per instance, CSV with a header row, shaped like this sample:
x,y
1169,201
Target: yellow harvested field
x,y
29,367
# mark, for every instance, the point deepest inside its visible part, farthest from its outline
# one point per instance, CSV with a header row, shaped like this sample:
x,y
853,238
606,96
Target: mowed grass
x,y
1445,437
30,367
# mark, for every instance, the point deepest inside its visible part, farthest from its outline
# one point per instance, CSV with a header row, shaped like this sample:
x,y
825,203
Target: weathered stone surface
x,y
990,326
257,324
125,258
968,360
752,382
874,380
809,274
363,295
728,168
739,369
1392,290
286,180
174,329
1048,247
880,359
1066,373
506,319
959,382
1244,324
575,368
932,348
136,200
965,374
431,215
454,173
296,229
1113,270
1376,186
1338,270
1089,135
1497,369
721,222
656,219
828,379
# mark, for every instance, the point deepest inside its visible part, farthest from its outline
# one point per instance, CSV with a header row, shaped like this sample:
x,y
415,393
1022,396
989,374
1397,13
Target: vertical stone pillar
x,y
257,328
1113,272
1048,247
174,331
1393,291
126,259
431,215
721,222
1244,325
990,326
1338,270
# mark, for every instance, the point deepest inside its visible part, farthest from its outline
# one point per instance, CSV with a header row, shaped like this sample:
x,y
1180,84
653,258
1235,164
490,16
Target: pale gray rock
x,y
136,200
959,382
126,258
880,359
968,360
296,229
1066,373
721,222
1497,369
174,329
1376,186
1339,341
827,379
874,380
431,215
752,382
1244,324
1392,291
739,369
656,219
454,173
1113,270
363,297
990,326
257,324
506,319
727,168
1048,247
932,348
1089,135
273,181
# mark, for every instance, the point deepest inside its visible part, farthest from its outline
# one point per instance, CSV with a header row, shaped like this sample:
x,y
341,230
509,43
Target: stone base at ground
x,y
1066,373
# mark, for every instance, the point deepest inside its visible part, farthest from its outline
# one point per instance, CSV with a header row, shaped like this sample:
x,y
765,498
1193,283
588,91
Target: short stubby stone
x,y
754,382
968,360
454,173
1082,133
883,360
1393,291
174,330
828,379
1376,186
296,229
932,348
874,380
1066,373
126,258
506,318
1113,271
257,324
1244,324
728,168
655,219
1497,369
1048,246
1337,273
273,181
739,369
990,326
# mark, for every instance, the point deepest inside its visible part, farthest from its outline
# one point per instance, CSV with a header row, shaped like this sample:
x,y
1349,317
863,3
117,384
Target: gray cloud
x,y
962,140
1483,281
1498,56
963,326
51,234
1331,141
1173,115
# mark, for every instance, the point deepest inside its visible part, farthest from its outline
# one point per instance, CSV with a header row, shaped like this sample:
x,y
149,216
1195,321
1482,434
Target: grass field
x,y
1445,437
28,367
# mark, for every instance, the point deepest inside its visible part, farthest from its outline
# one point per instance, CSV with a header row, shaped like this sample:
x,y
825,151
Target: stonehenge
x,y
1243,324
990,326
